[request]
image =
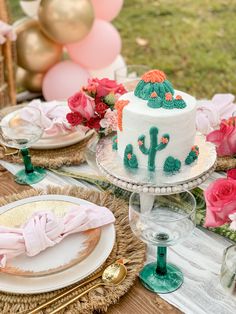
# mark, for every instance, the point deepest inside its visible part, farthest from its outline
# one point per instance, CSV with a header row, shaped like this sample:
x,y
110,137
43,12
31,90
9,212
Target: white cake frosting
x,y
138,118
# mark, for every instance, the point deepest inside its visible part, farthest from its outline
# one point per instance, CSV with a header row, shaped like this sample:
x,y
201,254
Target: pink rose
x,y
224,138
220,199
231,174
83,104
110,120
106,86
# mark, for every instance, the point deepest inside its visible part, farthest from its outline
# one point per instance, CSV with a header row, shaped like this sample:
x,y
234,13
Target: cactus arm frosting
x,y
142,147
163,145
154,146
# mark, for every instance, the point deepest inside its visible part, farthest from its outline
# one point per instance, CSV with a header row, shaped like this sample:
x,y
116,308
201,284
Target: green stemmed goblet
x,y
22,135
168,221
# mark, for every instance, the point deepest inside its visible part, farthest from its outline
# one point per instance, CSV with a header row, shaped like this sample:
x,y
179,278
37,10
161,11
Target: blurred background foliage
x,y
193,41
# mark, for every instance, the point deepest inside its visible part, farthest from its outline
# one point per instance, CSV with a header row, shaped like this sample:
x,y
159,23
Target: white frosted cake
x,y
156,126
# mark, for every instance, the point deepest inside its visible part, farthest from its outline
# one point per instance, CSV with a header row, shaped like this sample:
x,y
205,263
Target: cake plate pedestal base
x,y
143,181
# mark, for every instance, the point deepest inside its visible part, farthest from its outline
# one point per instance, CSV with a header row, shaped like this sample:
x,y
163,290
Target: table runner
x,y
199,257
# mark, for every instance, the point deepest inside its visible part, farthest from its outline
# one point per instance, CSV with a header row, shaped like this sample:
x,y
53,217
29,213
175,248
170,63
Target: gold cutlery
x,y
69,291
112,275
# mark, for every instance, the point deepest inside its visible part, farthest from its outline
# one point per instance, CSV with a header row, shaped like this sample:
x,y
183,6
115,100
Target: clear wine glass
x,y
21,134
228,270
168,221
130,75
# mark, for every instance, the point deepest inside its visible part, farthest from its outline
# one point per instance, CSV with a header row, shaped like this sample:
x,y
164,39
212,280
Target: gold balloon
x,y
20,78
35,51
29,80
66,21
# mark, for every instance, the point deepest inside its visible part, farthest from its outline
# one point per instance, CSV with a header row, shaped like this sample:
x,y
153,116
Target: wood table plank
x,y
8,185
137,300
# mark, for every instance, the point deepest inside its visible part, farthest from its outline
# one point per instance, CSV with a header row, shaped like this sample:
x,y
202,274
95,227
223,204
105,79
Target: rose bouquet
x,y
220,199
93,106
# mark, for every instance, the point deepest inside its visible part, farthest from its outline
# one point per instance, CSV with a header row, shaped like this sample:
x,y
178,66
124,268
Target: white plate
x,y
54,142
30,285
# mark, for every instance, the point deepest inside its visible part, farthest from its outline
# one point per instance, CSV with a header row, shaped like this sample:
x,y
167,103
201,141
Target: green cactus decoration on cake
x,y
159,92
193,155
130,159
179,102
171,165
154,101
115,142
153,81
154,146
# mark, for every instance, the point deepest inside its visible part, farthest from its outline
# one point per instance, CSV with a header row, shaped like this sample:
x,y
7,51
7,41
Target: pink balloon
x,y
99,49
107,9
63,80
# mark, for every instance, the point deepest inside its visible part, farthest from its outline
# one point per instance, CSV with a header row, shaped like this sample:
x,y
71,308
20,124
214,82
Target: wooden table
x,y
137,301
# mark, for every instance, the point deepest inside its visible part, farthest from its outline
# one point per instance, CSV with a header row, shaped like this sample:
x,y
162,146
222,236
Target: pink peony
x,y
211,112
83,104
109,120
224,138
221,202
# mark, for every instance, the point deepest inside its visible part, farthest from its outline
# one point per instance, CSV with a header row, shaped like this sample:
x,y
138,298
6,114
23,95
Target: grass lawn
x,y
193,41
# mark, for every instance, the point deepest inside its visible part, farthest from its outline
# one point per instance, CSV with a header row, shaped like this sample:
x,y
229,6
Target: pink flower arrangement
x,y
211,112
93,106
224,138
220,199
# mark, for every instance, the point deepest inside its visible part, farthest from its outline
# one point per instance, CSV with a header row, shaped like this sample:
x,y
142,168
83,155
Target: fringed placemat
x,y
225,163
127,246
52,158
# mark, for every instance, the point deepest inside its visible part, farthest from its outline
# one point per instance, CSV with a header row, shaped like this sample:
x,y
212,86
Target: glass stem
x,y
161,261
27,160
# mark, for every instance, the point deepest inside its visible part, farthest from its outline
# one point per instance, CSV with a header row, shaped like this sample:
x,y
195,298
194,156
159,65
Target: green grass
x,y
193,41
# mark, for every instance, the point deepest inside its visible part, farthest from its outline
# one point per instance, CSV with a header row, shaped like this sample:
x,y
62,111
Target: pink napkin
x,y
211,112
50,116
6,31
44,230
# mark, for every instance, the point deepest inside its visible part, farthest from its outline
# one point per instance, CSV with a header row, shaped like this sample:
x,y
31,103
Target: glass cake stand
x,y
154,192
143,181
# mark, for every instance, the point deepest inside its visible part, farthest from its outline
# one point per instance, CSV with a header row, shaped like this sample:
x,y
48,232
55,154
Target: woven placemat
x,y
127,246
53,158
225,163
